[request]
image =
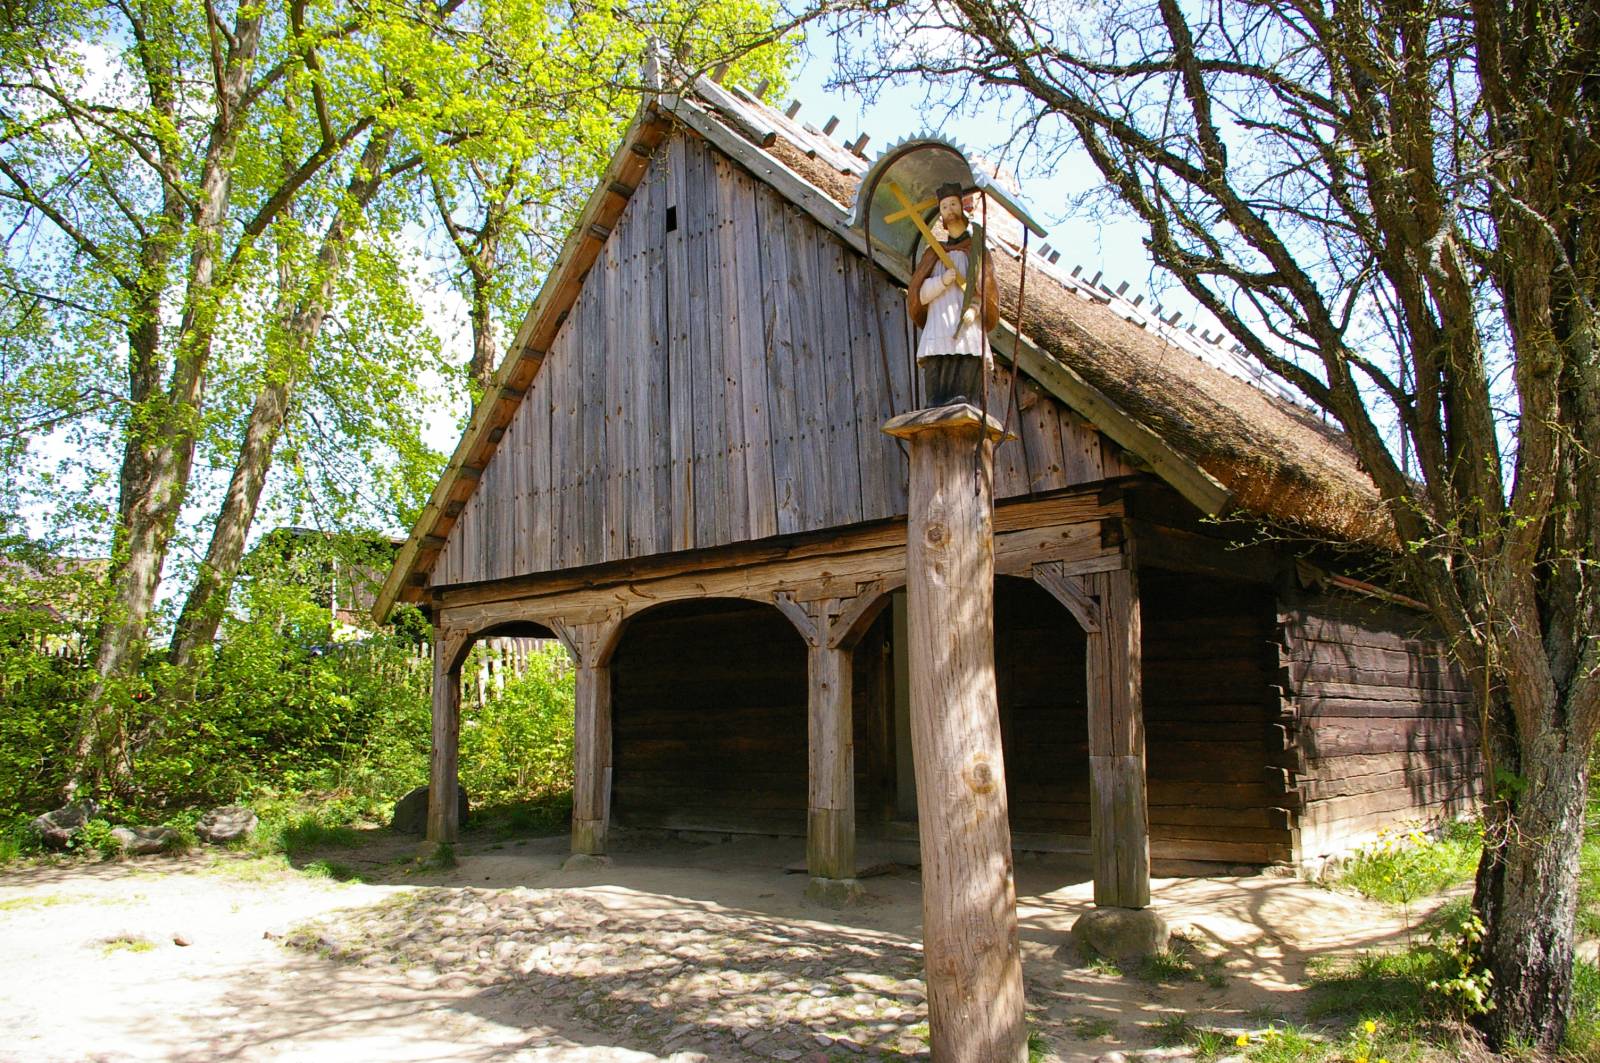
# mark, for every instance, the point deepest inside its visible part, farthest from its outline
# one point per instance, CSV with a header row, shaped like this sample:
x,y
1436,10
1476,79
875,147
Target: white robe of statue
x,y
941,334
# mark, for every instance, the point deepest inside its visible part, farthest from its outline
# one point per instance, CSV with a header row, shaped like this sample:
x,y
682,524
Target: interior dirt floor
x,y
681,950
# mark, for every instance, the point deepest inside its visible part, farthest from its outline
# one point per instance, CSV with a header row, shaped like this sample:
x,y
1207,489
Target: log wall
x,y
1383,726
1208,710
722,378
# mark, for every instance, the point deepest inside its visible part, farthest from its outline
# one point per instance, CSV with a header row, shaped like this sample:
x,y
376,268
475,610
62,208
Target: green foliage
x,y
519,744
1402,866
1463,982
95,837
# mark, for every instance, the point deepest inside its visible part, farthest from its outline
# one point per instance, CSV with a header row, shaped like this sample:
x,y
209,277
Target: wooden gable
x,y
722,378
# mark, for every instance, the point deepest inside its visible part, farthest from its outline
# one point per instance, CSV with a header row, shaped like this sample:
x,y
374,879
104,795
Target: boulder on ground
x,y
411,811
142,841
230,823
1125,935
57,829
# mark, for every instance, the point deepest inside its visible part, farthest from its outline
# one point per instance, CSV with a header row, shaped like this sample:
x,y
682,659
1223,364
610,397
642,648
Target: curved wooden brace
x,y
451,645
1070,592
859,612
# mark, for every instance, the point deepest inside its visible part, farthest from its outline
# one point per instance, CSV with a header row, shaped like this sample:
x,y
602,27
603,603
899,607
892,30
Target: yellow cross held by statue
x,y
914,212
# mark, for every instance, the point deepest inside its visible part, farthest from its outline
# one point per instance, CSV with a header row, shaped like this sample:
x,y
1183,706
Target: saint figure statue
x,y
946,305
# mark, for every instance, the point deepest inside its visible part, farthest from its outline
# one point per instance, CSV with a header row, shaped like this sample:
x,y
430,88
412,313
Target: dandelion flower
x,y
1370,1026
1242,1040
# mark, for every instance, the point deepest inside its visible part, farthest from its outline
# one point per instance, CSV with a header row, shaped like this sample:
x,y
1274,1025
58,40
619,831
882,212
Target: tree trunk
x,y
1527,889
202,611
159,453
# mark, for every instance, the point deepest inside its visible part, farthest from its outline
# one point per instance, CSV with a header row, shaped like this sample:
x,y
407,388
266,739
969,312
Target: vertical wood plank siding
x,y
723,382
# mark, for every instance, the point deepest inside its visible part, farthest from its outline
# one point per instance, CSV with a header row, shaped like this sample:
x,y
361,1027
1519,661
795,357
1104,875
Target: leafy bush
x,y
519,745
1403,865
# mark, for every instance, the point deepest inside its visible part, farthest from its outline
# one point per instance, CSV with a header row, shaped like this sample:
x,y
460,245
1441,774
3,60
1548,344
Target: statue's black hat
x,y
949,188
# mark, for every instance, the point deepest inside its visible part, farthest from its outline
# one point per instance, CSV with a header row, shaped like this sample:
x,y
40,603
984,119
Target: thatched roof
x,y
1221,441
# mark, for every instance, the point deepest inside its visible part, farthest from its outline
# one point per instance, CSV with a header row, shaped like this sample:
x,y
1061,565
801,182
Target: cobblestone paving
x,y
701,980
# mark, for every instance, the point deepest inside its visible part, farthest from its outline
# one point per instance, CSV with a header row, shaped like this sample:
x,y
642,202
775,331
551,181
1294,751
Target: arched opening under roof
x,y
709,720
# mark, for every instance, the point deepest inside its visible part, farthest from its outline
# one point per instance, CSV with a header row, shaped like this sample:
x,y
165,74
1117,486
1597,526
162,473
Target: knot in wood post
x,y
974,968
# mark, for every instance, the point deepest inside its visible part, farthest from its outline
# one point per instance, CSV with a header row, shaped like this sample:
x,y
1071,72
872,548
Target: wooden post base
x,y
834,892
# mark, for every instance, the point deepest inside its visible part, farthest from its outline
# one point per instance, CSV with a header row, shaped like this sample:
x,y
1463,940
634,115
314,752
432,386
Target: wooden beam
x,y
830,758
1119,819
444,807
801,579
591,645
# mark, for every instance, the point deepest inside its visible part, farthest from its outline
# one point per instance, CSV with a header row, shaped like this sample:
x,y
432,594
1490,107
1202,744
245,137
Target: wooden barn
x,y
682,475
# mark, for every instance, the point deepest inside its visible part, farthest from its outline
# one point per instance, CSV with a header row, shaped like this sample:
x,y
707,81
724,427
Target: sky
x,y
1116,247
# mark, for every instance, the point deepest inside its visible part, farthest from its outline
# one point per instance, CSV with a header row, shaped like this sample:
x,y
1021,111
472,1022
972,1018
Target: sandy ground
x,y
680,950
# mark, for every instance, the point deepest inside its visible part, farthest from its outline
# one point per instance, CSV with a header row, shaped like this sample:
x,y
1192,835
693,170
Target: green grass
x,y
1038,1047
332,869
1091,1029
1401,867
126,943
34,900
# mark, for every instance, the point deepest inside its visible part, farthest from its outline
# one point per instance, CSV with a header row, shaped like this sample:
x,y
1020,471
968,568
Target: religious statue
x,y
943,298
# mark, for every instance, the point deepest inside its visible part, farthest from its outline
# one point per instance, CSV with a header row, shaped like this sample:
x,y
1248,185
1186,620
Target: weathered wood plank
x,y
1040,429
680,375
810,374
782,407
1010,460
536,515
723,257
713,522
751,362
612,402
842,452
654,380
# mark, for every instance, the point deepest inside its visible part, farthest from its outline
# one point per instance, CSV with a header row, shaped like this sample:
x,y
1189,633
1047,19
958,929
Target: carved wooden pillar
x,y
444,806
1119,818
969,920
591,645
830,627
1106,606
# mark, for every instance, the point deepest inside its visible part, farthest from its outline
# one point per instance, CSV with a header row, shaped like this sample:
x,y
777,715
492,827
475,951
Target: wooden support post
x,y
591,794
969,909
826,625
444,805
591,645
831,801
1119,821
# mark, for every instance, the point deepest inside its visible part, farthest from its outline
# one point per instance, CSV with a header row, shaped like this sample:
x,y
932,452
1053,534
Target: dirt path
x,y
679,951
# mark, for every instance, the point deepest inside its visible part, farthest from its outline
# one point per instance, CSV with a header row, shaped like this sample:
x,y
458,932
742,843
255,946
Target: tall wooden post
x,y
969,910
1119,820
831,797
444,805
591,645
591,793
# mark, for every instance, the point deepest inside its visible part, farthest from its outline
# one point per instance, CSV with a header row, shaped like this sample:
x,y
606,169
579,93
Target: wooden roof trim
x,y
500,401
